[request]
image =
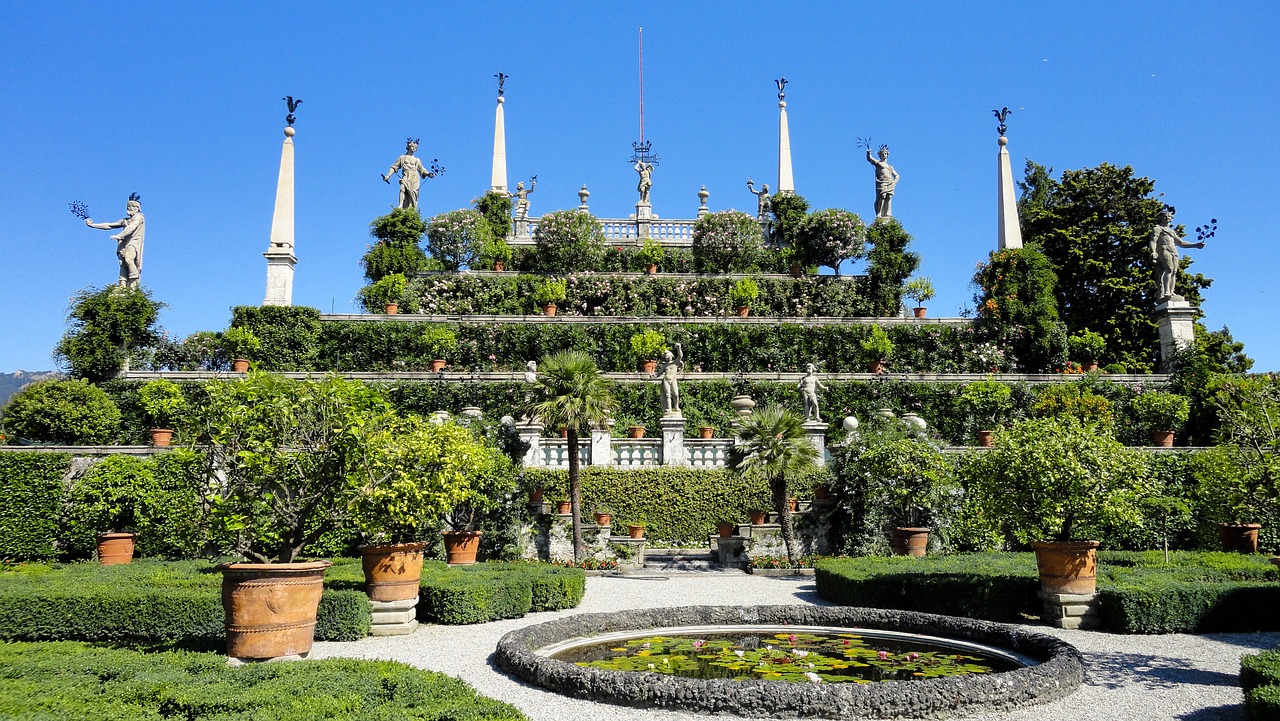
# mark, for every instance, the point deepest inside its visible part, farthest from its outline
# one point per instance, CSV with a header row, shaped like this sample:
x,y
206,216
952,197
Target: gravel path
x,y
1190,678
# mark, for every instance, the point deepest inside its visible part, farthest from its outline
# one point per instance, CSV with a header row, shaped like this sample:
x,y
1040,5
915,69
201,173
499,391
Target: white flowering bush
x,y
830,237
728,241
455,238
567,240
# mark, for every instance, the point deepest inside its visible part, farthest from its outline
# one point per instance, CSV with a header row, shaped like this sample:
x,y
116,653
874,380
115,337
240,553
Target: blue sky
x,y
181,102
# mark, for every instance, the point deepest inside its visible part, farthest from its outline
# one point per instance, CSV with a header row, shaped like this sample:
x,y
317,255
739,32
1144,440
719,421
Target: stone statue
x,y
522,198
669,372
809,386
646,180
531,372
763,205
128,240
1164,251
412,171
886,181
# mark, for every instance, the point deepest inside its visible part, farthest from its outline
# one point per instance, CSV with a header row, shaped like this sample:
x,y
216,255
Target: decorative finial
x,y
502,78
1001,114
782,88
293,106
642,152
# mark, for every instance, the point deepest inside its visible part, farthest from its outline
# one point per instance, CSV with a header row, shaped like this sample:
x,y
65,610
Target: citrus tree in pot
x,y
1053,483
989,403
1159,415
242,346
909,478
491,482
104,506
281,468
162,405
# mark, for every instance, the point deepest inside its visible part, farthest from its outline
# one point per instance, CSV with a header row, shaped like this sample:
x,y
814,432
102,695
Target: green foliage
x,y
241,343
1156,411
772,447
889,264
495,250
648,345
551,291
989,401
728,241
288,334
1017,309
567,240
652,252
876,346
386,346
163,404
1263,703
1072,400
830,237
1248,410
1087,346
109,498
909,477
1192,368
397,235
389,289
989,586
789,213
109,328
495,206
744,293
31,486
919,289
1094,226
456,237
68,412
1260,669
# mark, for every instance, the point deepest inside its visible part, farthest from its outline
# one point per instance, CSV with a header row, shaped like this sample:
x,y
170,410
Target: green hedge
x,y
1260,681
76,682
626,258
288,334
1263,703
31,486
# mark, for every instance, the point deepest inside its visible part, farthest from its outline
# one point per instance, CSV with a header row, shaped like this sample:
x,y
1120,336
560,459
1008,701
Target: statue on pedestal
x,y
886,182
763,205
669,372
522,198
128,240
1165,242
412,171
646,180
809,386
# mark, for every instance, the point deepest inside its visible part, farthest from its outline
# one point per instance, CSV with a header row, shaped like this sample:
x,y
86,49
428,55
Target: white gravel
x,y
1184,677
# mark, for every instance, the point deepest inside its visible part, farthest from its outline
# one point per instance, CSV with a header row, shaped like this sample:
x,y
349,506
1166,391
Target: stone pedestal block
x,y
280,262
601,447
816,433
673,451
1071,610
394,618
531,433
731,552
1175,319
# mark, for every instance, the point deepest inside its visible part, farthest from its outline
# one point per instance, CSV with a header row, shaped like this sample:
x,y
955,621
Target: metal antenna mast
x,y
642,150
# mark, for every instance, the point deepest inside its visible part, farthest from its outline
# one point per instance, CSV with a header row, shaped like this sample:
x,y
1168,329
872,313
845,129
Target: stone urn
x,y
742,405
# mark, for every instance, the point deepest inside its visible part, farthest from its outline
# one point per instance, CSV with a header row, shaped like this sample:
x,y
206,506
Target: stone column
x,y
498,183
702,201
1009,232
816,433
1176,320
531,433
279,255
785,182
601,447
673,451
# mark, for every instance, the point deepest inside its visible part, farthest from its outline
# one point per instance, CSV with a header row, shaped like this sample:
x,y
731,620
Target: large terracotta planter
x,y
1239,537
392,570
909,541
460,547
115,549
758,517
239,365
1162,439
919,311
161,437
726,529
1067,566
271,607
650,366
986,439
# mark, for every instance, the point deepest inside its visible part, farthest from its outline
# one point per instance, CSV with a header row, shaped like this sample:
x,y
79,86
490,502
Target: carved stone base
x,y
394,618
1071,610
1175,319
280,262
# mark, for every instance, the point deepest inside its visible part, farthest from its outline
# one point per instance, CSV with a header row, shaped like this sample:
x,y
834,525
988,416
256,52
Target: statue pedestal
x,y
644,214
1175,319
280,262
601,447
673,451
816,433
531,433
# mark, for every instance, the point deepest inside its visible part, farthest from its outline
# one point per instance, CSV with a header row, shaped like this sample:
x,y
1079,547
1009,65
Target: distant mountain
x,y
11,382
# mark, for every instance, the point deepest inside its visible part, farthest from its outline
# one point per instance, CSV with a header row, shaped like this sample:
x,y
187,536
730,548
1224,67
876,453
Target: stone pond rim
x,y
1059,673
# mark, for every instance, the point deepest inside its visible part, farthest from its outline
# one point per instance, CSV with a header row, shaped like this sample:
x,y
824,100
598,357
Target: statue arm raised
x,y
871,159
1185,244
104,226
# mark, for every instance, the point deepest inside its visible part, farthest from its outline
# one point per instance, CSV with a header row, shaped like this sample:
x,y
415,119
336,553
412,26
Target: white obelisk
x,y
499,182
280,257
1010,233
785,182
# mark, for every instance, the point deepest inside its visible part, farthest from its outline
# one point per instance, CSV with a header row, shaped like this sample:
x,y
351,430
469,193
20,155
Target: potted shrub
x,y
104,507
647,348
387,294
989,402
551,291
495,253
920,290
651,254
742,295
1245,464
242,346
1054,483
635,530
1086,348
876,349
909,478
1159,414
492,478
162,404
791,258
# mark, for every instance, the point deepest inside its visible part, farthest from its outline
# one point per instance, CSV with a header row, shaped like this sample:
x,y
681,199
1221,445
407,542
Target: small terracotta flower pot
x,y
821,492
437,365
604,519
240,365
1091,366
794,503
564,507
1162,439
637,431
758,518
651,269
796,271
919,311
877,367
635,531
650,366
536,496
549,309
499,266
161,437
725,529
744,311
986,439
392,308
706,432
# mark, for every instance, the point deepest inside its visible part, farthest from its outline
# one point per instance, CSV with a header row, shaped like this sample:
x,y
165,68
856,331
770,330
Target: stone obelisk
x,y
498,184
785,182
280,257
1008,229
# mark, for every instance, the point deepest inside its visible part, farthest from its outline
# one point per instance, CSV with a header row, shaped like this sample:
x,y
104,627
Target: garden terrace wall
x,y
626,256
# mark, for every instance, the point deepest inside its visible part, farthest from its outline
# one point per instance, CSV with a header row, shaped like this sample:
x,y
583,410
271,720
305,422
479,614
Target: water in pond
x,y
796,657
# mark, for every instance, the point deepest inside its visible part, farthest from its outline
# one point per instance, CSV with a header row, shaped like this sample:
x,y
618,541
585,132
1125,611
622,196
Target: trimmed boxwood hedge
x,y
76,681
288,334
31,486
1260,681
1196,592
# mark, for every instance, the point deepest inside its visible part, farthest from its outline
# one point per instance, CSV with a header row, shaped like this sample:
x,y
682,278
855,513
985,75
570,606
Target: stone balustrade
x,y
675,233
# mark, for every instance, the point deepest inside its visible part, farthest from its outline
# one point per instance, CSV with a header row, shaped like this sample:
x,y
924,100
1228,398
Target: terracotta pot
x,y
821,492
651,269
549,309
271,607
1067,566
499,266
161,437
635,531
637,431
604,519
919,311
564,432
744,311
438,365
392,570
877,367
536,496
1162,439
909,541
758,518
726,529
392,308
706,432
1239,537
794,503
650,366
240,365
1090,367
796,271
116,548
460,546
564,507
986,439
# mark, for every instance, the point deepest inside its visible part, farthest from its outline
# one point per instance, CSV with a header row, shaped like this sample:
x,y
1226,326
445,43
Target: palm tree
x,y
772,446
571,393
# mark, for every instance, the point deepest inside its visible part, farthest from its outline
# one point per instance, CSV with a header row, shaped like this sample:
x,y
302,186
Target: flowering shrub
x,y
726,242
456,238
829,237
567,240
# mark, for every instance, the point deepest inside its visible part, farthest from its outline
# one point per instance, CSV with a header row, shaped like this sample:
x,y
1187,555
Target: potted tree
x,y
104,506
491,479
495,253
647,348
242,346
909,478
603,516
1086,348
1160,415
742,295
921,291
1053,483
551,291
876,349
162,404
651,254
989,403
386,294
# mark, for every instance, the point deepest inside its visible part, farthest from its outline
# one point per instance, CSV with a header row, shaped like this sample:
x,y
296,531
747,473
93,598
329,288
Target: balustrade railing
x,y
637,452
555,453
712,453
676,232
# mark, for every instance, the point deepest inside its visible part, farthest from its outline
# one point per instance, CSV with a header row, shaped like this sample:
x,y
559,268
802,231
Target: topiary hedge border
x,y
31,486
1260,681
